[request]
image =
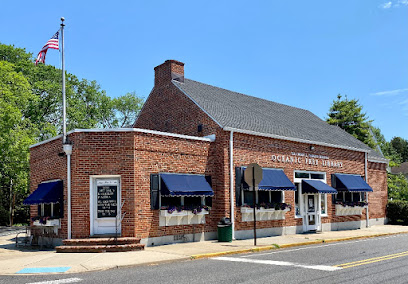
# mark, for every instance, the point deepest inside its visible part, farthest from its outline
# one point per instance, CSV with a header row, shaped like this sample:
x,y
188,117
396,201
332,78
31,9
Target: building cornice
x,y
211,138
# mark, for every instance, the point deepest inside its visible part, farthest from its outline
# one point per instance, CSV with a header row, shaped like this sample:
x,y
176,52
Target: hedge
x,y
397,211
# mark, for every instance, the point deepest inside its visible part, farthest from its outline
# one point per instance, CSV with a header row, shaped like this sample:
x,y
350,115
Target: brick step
x,y
101,241
100,248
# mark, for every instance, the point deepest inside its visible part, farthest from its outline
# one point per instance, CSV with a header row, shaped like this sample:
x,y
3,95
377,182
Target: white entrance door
x,y
312,216
105,200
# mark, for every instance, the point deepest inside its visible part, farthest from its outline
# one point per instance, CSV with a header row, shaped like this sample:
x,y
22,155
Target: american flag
x,y
53,43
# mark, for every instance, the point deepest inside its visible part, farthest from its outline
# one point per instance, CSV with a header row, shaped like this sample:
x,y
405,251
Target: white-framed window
x,y
186,201
350,197
298,177
262,196
49,210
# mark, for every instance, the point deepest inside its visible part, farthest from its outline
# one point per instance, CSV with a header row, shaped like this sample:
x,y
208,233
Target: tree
x,y
31,108
87,105
348,115
126,109
401,147
386,147
397,185
16,134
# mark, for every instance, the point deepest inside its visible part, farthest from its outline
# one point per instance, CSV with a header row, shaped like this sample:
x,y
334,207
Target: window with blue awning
x,y
47,192
185,185
350,183
317,186
275,180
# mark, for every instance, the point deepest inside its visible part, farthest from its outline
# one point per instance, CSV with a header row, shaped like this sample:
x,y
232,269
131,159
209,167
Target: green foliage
x,y
31,111
16,134
400,145
397,187
397,211
124,108
348,115
386,147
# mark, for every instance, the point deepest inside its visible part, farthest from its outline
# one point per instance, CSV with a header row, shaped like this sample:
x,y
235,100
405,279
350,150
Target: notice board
x,y
107,201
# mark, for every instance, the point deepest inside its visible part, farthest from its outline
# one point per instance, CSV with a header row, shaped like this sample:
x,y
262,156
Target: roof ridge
x,y
250,96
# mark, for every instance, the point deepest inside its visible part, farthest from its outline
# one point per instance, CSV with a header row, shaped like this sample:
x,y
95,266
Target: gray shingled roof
x,y
239,111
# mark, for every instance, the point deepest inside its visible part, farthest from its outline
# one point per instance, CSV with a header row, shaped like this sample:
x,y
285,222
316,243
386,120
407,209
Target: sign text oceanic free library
x,y
307,159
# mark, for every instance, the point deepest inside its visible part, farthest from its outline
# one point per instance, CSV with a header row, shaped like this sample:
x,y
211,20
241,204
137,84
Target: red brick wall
x,y
377,179
164,71
133,156
155,154
170,110
100,153
249,149
45,164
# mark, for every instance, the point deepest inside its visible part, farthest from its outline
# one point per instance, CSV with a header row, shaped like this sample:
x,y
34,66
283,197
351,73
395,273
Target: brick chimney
x,y
169,70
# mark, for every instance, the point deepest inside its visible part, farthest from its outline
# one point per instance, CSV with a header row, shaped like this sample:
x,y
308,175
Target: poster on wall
x,y
107,200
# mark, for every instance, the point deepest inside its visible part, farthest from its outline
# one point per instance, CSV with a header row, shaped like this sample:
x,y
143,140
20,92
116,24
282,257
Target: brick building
x,y
180,169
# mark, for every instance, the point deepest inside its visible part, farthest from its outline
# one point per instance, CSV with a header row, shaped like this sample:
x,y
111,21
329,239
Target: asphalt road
x,y
377,260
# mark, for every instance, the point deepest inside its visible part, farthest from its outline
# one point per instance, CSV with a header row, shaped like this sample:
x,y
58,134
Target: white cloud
x,y
404,102
386,5
404,105
390,92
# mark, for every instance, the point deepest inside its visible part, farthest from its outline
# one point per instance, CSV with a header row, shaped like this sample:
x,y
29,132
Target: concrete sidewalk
x,y
13,259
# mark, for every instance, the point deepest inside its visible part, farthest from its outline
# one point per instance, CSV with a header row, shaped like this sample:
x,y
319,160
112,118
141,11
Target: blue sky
x,y
299,53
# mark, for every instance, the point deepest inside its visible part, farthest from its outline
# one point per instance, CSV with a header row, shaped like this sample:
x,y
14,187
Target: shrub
x,y
397,211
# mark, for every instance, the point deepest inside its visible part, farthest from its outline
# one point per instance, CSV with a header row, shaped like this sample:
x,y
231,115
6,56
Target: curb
x,y
276,246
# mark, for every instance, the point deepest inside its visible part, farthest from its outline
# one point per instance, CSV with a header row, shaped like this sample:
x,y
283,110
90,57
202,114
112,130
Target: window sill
x,y
49,223
262,214
349,210
184,217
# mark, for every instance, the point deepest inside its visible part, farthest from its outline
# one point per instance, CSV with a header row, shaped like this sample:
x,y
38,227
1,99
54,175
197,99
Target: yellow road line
x,y
372,260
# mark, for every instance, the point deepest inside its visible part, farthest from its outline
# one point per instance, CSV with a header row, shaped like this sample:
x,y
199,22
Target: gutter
x,y
250,132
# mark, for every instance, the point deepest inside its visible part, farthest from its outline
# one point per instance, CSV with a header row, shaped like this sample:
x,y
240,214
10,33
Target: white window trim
x,y
362,196
42,210
256,195
300,195
182,199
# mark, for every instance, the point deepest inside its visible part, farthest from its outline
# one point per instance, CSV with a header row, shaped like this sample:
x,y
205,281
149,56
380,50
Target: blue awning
x,y
47,192
275,179
316,186
352,183
185,185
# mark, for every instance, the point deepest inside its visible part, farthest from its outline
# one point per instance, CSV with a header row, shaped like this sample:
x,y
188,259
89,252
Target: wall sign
x,y
107,200
307,159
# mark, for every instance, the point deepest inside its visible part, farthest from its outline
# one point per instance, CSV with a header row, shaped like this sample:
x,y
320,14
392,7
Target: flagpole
x,y
64,110
65,143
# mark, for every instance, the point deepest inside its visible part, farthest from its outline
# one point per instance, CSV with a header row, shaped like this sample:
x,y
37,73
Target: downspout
x,y
68,152
366,180
232,216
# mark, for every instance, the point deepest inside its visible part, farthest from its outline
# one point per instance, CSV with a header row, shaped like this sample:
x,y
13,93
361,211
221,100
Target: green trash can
x,y
225,230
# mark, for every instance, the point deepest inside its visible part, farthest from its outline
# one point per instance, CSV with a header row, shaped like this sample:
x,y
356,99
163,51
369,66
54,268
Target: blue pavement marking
x,y
43,269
